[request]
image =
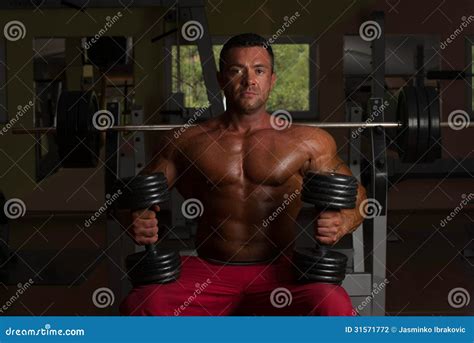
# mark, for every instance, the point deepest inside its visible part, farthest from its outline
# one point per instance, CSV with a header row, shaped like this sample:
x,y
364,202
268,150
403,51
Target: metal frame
x,y
469,45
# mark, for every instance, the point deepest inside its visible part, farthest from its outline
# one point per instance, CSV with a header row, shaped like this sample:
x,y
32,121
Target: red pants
x,y
205,288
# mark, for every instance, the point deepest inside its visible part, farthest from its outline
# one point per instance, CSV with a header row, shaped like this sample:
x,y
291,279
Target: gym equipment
x,y
418,126
326,191
78,142
152,265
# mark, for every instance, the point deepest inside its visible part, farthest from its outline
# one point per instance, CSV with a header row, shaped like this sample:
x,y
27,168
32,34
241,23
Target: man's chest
x,y
261,159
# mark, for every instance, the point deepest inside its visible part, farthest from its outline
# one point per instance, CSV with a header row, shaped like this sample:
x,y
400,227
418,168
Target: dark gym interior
x,y
60,243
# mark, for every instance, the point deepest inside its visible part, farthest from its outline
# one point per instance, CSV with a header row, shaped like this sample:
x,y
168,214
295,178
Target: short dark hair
x,y
245,40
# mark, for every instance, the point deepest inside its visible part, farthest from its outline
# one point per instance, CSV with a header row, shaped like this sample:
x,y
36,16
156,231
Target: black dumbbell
x,y
326,191
152,265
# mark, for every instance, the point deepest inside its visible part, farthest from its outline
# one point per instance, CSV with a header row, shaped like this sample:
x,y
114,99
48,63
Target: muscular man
x,y
242,168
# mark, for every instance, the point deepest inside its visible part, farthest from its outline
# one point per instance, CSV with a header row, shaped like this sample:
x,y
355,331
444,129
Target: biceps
x,y
163,165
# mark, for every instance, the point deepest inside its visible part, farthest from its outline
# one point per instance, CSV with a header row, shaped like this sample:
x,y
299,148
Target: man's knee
x,y
328,300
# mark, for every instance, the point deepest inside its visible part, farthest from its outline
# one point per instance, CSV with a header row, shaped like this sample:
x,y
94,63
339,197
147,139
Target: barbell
x,y
78,126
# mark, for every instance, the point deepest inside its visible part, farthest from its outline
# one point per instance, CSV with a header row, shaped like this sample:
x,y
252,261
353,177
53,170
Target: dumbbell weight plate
x,y
323,256
330,177
328,198
329,191
328,205
328,185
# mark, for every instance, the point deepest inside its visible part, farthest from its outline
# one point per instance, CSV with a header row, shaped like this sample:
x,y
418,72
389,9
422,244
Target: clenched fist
x,y
142,227
329,227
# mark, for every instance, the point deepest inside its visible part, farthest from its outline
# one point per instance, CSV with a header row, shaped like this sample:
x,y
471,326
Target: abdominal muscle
x,y
233,232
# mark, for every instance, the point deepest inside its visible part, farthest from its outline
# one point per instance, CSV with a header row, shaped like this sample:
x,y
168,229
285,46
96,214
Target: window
x,y
294,91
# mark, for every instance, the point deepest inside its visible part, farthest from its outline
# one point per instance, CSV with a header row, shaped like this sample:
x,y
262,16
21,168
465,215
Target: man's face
x,y
247,78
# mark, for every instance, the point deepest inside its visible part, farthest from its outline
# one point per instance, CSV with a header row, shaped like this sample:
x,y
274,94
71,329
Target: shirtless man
x,y
242,169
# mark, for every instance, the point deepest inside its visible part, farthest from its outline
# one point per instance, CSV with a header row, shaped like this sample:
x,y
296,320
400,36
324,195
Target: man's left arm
x,y
332,225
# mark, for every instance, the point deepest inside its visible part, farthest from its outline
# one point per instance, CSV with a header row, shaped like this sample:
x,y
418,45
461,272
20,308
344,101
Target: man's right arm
x,y
142,225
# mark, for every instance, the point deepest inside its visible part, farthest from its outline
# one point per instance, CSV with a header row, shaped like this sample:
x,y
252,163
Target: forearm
x,y
353,217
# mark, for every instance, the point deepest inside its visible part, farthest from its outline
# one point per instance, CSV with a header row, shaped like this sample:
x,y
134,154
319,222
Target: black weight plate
x,y
131,188
150,262
321,278
435,128
155,278
333,191
309,264
316,271
407,113
143,193
331,177
327,197
329,186
138,203
328,205
142,180
159,255
423,123
318,254
138,272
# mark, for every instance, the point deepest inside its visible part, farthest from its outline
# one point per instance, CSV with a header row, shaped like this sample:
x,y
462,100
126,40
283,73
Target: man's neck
x,y
241,122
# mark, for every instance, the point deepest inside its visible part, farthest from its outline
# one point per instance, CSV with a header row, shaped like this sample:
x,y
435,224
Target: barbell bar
x,y
163,127
418,126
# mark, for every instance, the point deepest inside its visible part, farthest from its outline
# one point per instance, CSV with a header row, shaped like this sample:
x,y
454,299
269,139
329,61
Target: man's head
x,y
246,72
